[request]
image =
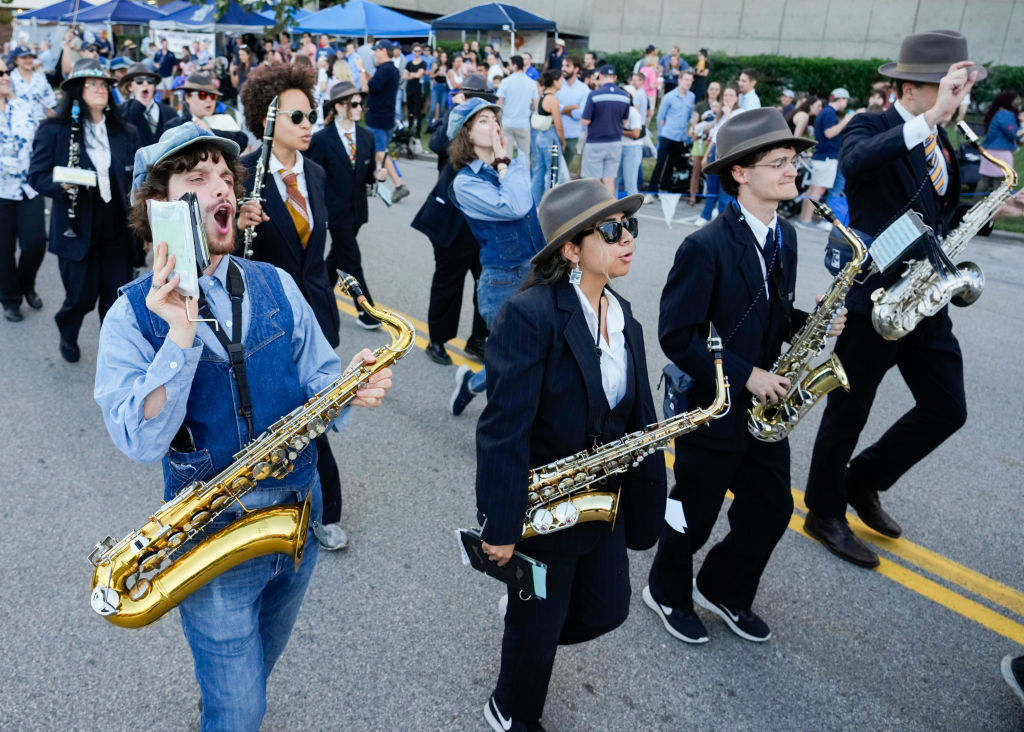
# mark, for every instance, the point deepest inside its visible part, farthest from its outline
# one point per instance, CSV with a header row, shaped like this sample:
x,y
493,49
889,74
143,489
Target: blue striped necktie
x,y
935,169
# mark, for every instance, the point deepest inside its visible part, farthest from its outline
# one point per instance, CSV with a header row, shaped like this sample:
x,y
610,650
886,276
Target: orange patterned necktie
x,y
935,171
351,147
296,206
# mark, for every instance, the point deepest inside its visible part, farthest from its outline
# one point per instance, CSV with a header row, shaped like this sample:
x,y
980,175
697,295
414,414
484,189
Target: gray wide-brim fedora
x,y
137,69
753,130
340,91
87,68
201,82
575,206
926,57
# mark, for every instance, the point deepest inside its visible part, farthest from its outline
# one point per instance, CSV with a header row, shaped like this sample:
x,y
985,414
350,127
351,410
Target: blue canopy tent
x,y
494,16
115,11
201,18
297,15
56,11
174,6
363,18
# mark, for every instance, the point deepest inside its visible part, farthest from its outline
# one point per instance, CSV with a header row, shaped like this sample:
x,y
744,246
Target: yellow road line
x,y
919,556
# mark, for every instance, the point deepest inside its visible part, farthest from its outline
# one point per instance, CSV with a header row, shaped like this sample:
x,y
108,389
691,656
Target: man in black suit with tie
x,y
346,151
149,116
291,227
897,160
738,273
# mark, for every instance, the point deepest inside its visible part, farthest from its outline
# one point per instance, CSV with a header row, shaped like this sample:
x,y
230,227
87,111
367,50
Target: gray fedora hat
x,y
475,85
569,208
199,81
753,130
138,69
341,90
926,57
87,68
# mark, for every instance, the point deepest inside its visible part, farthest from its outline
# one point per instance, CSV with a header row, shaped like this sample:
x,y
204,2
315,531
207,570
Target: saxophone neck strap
x,y
233,345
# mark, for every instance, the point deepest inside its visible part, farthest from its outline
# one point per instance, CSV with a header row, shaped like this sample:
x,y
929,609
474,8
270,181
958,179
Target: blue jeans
x,y
496,285
238,624
540,161
632,157
381,138
438,96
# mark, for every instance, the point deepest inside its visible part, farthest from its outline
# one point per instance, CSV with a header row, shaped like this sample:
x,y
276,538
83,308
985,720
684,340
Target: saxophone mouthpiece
x,y
351,286
967,132
714,342
824,211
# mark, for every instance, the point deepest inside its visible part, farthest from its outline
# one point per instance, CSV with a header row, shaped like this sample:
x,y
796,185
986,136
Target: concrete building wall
x,y
839,28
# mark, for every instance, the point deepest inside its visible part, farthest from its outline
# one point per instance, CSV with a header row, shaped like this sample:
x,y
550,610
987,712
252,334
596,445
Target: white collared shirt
x,y
344,140
613,350
300,180
916,131
97,145
760,232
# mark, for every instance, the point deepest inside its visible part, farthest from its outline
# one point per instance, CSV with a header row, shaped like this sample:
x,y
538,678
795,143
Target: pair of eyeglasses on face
x,y
96,84
611,231
778,164
297,115
205,95
143,80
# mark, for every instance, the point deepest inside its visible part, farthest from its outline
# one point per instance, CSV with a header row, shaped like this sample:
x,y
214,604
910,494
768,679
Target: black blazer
x,y
439,218
134,113
50,149
715,278
543,395
277,242
346,194
882,177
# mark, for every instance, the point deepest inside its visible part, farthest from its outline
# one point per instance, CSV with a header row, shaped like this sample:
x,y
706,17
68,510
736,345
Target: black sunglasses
x,y
611,231
4,72
355,104
140,80
297,115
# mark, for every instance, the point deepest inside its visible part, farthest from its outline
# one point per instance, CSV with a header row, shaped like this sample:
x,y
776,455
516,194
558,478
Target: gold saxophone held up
x,y
924,289
138,579
562,493
774,422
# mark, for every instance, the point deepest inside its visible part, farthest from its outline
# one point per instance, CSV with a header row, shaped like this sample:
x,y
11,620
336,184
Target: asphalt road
x,y
396,634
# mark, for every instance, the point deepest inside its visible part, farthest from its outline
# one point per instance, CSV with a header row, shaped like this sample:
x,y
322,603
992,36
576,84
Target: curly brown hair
x,y
266,82
158,177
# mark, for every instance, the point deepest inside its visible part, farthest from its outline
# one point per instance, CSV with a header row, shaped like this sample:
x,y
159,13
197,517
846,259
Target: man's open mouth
x,y
222,216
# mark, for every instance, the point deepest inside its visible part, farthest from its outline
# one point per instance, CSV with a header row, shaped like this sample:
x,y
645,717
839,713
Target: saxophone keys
x,y
176,539
151,560
261,471
240,485
198,519
140,589
542,521
220,502
566,514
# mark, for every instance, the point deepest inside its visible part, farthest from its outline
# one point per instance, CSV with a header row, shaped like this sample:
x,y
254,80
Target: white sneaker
x,y
699,221
714,214
331,536
648,198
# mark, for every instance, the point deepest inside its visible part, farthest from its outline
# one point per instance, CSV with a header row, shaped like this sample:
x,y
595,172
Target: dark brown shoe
x,y
839,539
865,502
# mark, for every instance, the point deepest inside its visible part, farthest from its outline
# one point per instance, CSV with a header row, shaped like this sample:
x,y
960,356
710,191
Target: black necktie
x,y
769,252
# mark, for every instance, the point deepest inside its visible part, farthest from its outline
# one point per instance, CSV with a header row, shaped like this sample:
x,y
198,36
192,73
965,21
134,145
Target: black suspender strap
x,y
234,346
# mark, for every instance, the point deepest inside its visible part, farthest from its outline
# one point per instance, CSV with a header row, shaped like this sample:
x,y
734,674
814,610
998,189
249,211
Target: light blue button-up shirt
x,y
568,95
674,115
128,369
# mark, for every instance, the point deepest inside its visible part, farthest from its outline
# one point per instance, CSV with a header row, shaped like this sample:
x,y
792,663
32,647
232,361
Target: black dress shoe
x,y
34,301
837,537
475,347
69,351
436,352
12,313
865,502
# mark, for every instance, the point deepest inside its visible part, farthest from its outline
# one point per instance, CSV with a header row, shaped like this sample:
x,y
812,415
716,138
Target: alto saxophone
x,y
561,493
138,579
925,288
774,422
259,177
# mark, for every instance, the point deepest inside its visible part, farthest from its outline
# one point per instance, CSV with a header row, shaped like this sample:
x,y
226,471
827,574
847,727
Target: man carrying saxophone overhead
x,y
893,161
169,391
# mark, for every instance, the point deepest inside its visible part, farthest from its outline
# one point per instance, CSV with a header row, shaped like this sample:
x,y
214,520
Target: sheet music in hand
x,y
180,224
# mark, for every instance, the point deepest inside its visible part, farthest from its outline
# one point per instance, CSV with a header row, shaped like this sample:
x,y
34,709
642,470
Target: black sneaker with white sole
x,y
685,626
1013,672
744,623
500,723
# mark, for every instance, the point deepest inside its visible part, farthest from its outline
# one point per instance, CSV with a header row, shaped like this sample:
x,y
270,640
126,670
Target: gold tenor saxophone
x,y
924,289
259,178
561,493
138,579
774,422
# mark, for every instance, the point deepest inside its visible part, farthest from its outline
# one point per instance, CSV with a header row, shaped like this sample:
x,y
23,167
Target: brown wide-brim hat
x,y
341,91
87,68
569,208
200,82
137,70
926,57
750,131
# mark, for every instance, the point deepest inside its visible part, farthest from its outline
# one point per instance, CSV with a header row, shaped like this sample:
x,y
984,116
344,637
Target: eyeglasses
x,y
779,164
297,115
140,80
611,231
204,95
96,84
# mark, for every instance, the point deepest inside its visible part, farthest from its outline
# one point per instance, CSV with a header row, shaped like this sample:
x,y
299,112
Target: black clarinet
x,y
261,173
73,154
555,154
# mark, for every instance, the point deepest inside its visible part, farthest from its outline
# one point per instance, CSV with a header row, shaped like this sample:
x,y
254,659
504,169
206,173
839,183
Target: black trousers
x,y
330,481
757,473
451,264
932,366
588,595
344,255
22,226
670,157
414,104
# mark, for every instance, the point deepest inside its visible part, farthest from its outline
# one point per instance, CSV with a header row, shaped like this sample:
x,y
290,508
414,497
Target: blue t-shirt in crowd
x,y
165,63
827,148
383,88
607,108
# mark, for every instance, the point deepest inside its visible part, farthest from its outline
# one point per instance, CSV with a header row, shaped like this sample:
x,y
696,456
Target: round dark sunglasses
x,y
297,115
611,231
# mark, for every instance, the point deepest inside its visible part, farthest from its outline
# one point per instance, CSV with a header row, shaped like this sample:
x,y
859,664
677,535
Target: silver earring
x,y
575,274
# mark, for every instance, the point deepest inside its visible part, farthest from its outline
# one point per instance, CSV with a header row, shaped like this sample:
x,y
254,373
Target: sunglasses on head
x,y
140,80
297,115
204,95
611,231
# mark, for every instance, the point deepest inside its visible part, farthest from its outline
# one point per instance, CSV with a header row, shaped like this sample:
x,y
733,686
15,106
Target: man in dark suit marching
x,y
897,160
738,273
346,151
149,116
291,227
